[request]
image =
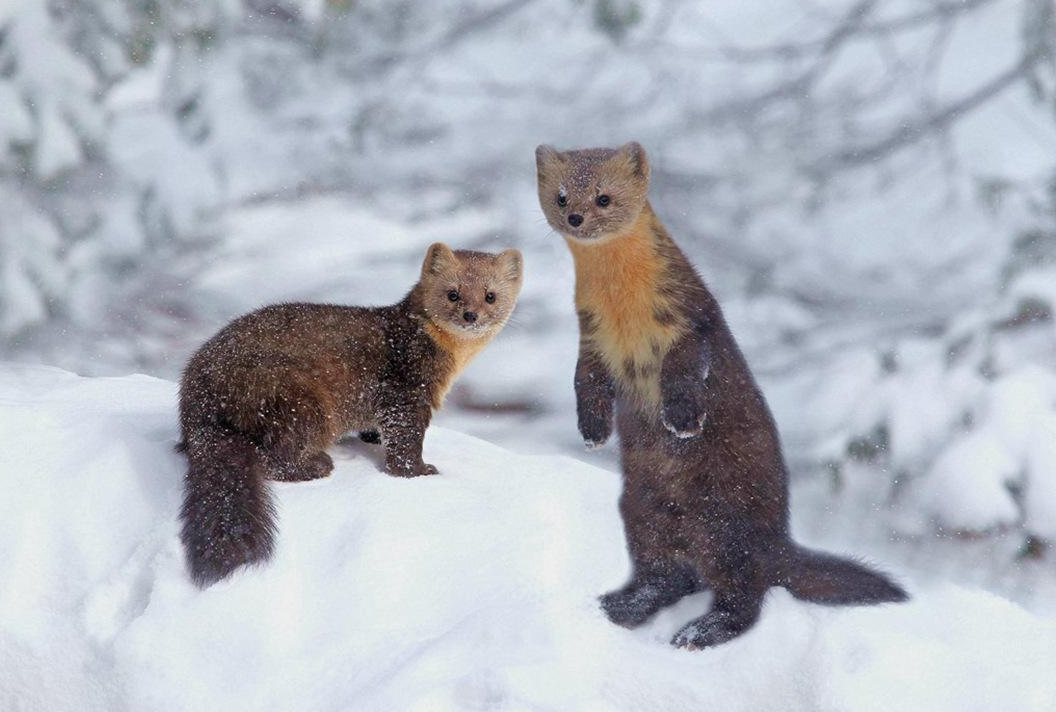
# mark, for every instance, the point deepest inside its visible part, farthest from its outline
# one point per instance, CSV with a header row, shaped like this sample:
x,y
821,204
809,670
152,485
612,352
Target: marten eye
x,y
490,297
562,200
452,296
603,200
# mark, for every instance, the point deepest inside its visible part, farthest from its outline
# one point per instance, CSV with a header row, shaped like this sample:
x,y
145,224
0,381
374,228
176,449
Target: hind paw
x,y
632,606
712,628
704,632
313,467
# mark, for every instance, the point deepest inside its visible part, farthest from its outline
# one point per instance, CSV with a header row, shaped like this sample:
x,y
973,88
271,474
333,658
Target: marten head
x,y
591,194
470,294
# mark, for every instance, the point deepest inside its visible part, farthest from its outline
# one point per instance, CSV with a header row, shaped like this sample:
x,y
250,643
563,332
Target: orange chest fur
x,y
618,285
458,352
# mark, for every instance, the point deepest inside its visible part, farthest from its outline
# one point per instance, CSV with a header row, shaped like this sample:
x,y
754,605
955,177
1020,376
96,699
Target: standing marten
x,y
705,498
264,397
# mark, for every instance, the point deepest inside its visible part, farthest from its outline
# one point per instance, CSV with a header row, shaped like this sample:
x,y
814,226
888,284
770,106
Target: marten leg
x,y
595,392
731,614
647,592
740,583
402,427
682,386
295,426
659,578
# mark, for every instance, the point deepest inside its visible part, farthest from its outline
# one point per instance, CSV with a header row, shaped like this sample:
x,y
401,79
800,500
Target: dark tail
x,y
228,516
823,578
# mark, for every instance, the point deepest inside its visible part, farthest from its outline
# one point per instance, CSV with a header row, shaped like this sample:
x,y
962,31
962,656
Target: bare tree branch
x,y
912,132
785,51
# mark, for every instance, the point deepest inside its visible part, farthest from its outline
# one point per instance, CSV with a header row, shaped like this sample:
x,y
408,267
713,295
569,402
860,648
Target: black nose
x,y
469,316
575,219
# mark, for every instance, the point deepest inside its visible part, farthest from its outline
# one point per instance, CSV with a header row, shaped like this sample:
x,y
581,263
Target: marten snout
x,y
575,219
469,316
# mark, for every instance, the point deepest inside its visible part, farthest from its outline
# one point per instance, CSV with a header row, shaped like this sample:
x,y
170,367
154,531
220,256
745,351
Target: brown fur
x,y
705,501
266,395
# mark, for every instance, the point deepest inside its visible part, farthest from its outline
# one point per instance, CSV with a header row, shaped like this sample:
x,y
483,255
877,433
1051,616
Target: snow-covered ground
x,y
473,590
168,166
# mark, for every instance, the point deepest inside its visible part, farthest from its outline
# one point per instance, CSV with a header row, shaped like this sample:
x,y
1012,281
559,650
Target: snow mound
x,y
473,590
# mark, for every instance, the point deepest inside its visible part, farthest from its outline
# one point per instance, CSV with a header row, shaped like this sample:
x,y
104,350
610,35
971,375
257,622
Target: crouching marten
x,y
264,397
705,496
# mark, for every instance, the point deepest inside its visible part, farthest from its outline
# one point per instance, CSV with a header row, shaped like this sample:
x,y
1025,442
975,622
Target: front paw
x,y
595,434
404,469
592,445
682,419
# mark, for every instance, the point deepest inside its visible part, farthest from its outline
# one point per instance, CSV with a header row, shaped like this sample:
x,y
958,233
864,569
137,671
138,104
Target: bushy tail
x,y
228,515
823,578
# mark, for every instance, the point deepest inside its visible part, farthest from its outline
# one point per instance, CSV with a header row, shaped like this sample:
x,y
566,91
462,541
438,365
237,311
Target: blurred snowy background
x,y
869,186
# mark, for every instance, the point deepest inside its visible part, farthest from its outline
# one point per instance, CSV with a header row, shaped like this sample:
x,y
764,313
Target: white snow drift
x,y
473,590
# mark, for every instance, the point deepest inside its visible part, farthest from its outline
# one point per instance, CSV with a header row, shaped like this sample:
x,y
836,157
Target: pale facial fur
x,y
457,285
580,178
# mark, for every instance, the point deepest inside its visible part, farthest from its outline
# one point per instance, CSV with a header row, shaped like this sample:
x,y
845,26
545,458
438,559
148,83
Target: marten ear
x,y
546,156
511,264
636,159
437,258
